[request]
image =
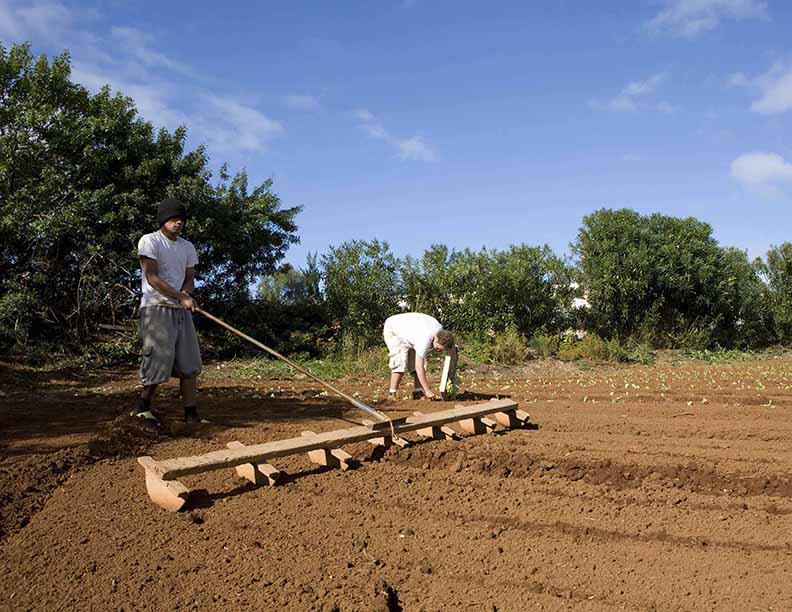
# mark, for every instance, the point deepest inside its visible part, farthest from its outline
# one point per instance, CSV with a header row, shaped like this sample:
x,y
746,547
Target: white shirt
x,y
173,257
415,329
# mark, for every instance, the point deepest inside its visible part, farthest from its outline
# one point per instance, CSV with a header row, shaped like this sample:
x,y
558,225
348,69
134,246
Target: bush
x,y
545,345
524,288
79,178
509,347
590,347
362,288
666,280
632,352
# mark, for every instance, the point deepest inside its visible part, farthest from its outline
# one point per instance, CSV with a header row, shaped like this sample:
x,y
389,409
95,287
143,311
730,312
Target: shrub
x,y
545,345
590,347
509,347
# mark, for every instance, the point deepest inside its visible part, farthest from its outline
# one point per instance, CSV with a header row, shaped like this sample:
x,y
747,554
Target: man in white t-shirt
x,y
409,337
170,345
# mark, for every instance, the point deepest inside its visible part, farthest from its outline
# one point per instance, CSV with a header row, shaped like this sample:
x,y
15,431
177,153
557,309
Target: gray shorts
x,y
170,345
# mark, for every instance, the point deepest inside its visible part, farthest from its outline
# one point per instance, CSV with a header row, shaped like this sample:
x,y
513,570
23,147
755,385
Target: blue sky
x,y
465,123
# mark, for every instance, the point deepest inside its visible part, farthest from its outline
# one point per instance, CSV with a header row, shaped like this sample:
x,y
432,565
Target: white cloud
x,y
302,102
364,115
665,108
627,99
237,127
151,98
166,91
139,46
40,19
774,88
689,18
762,171
414,148
376,131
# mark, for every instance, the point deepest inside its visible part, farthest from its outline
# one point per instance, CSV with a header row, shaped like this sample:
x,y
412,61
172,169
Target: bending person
x,y
409,337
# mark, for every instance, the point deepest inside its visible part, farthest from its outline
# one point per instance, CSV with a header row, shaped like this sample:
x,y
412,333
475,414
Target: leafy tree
x,y
666,280
292,286
777,272
445,284
522,288
79,178
362,289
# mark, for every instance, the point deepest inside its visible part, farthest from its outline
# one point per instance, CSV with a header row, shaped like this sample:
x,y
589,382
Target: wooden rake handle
x,y
356,403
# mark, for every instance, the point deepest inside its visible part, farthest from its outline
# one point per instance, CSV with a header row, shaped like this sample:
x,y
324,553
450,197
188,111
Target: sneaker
x,y
191,416
148,417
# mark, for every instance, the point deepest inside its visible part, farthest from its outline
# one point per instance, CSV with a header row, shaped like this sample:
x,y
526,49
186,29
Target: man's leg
x,y
156,361
187,366
189,388
143,406
394,382
396,360
148,392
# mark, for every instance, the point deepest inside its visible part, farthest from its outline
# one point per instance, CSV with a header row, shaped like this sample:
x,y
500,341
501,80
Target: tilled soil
x,y
665,487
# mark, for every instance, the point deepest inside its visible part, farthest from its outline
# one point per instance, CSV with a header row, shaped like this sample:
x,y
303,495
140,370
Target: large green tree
x,y
362,288
522,288
777,271
667,280
79,178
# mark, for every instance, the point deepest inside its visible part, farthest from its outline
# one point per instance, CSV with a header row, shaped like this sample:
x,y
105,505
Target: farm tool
x,y
382,419
251,462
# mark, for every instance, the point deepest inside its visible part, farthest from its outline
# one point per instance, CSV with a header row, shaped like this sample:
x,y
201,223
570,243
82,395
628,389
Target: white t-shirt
x,y
173,257
414,329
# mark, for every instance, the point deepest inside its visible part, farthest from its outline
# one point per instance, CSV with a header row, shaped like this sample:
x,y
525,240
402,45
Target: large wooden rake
x,y
383,421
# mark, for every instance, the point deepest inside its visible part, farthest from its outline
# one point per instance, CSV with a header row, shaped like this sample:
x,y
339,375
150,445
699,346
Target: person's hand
x,y
431,397
186,301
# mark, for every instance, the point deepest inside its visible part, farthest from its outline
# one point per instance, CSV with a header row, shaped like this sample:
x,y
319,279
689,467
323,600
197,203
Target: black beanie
x,y
170,208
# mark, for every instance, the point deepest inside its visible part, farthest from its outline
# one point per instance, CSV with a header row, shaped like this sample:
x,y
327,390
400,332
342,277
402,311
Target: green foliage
x,y
631,352
590,347
545,345
509,347
451,390
79,178
362,288
666,280
371,363
777,272
567,346
288,285
720,355
522,288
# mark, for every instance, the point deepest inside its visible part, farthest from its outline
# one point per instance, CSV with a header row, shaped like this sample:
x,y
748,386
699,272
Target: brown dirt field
x,y
665,487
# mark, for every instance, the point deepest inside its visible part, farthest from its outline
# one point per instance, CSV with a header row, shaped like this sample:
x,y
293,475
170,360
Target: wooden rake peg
x,y
512,419
167,494
476,425
437,432
335,457
257,473
387,440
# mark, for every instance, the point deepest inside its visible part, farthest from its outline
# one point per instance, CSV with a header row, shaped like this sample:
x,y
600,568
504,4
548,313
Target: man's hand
x,y
186,301
431,396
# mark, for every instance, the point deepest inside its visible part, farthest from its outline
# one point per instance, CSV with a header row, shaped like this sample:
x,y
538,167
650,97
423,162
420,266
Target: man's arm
x,y
189,281
151,270
420,372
